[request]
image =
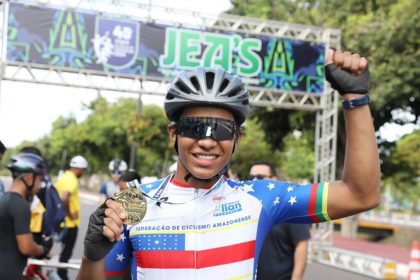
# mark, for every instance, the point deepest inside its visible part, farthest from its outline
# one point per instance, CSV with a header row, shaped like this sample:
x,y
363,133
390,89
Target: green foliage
x,y
297,159
253,147
107,133
150,132
404,167
385,31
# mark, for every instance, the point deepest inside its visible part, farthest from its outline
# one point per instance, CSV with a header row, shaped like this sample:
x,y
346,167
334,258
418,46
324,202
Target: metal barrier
x,y
375,267
54,264
372,266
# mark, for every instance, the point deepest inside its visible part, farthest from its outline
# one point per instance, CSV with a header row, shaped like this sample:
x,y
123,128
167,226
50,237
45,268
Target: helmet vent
x,y
195,83
182,87
209,80
235,91
224,85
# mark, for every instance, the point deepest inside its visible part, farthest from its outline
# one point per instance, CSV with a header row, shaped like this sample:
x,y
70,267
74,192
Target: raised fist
x,y
347,72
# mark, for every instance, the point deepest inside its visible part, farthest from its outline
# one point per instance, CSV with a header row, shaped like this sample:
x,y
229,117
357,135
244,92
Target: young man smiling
x,y
201,225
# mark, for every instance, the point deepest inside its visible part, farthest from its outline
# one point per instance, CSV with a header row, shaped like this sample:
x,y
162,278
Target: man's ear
x,y
172,133
239,138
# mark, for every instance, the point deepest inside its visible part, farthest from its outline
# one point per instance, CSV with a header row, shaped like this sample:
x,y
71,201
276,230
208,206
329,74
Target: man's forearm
x,y
361,167
300,256
91,270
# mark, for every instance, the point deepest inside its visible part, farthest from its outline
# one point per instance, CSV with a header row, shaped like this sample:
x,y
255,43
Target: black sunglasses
x,y
258,177
201,127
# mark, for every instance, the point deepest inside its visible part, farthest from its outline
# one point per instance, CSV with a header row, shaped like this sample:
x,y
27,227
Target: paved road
x,y
314,271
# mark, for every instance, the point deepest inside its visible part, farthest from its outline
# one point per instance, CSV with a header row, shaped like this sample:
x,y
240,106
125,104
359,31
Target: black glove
x,y
344,82
47,243
96,244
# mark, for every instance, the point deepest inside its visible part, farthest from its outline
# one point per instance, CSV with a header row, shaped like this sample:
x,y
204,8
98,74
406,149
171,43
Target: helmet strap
x,y
29,188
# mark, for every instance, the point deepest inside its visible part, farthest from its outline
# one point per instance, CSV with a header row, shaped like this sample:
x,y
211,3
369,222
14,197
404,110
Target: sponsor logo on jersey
x,y
228,208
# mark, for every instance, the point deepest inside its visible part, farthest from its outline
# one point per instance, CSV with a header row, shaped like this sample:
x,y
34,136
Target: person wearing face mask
x,y
68,189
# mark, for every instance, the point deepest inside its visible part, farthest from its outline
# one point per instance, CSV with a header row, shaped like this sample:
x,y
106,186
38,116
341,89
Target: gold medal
x,y
133,204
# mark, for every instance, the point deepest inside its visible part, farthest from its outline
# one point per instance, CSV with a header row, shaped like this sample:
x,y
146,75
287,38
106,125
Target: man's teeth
x,y
206,157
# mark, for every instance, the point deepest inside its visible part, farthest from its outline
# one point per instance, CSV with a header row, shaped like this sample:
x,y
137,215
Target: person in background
x,y
68,188
285,248
117,167
17,243
2,151
47,208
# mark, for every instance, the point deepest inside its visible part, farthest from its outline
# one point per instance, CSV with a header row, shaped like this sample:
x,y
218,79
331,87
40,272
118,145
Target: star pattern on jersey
x,y
123,237
120,257
149,186
292,200
271,186
290,188
155,242
276,200
248,188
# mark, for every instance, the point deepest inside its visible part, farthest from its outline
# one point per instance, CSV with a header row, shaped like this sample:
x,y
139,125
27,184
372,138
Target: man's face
x,y
203,157
260,172
79,172
122,185
37,184
115,176
29,178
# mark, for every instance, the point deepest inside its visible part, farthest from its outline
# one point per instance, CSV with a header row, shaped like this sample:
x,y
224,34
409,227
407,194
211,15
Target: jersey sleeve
x,y
21,214
285,202
117,261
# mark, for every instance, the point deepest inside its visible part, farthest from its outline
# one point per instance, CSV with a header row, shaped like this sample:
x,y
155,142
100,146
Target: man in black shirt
x,y
284,252
17,243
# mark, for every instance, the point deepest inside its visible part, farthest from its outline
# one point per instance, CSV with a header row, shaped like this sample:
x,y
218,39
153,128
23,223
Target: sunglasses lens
x,y
258,177
199,128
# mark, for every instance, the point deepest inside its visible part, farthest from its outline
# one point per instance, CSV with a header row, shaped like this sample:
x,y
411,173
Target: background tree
x,y
374,28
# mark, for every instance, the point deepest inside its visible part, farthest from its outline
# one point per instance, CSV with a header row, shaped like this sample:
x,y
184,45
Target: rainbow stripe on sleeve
x,y
317,210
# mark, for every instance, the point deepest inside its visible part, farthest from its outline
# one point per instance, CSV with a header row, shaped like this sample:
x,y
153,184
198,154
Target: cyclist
x,y
17,243
200,225
117,167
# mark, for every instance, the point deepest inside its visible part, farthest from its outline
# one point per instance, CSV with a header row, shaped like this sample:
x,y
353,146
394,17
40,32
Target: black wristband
x,y
353,103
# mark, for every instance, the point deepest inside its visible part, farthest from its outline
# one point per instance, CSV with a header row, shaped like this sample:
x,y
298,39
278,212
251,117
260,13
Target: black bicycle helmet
x,y
207,87
26,163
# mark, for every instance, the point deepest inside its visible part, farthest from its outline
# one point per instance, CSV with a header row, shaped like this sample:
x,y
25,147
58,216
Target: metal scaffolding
x,y
325,105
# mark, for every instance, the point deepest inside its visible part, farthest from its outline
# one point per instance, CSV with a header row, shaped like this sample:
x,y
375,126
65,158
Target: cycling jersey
x,y
214,233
